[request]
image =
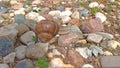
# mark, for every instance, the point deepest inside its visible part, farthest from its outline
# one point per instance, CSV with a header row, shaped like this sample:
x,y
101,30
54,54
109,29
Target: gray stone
x,y
110,61
3,10
19,18
20,51
96,50
26,63
22,28
10,31
105,35
94,38
4,66
37,50
26,38
30,23
61,8
9,58
6,46
84,12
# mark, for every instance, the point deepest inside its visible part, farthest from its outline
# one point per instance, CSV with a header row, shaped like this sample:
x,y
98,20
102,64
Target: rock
x,y
94,38
74,22
10,31
20,18
22,28
61,8
65,40
26,63
107,53
15,4
101,16
30,23
84,52
96,50
55,13
91,26
102,6
36,2
45,10
75,15
93,4
20,51
76,29
110,61
87,66
9,58
65,19
52,47
56,52
66,13
4,66
64,29
74,58
20,11
58,63
40,18
3,10
1,19
26,38
83,41
6,46
32,16
105,35
37,50
113,44
84,12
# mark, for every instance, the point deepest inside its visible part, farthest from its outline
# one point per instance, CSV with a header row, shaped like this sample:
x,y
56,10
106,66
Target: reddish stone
x,y
75,22
65,40
91,26
74,58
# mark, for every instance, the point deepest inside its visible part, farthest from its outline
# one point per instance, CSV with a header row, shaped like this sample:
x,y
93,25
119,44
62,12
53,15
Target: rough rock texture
x,y
36,51
91,26
74,58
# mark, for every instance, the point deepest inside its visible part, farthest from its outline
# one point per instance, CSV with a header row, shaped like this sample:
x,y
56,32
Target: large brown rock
x,y
66,39
74,58
91,26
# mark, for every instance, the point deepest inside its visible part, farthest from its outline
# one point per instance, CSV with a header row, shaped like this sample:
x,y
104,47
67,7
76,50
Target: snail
x,y
46,30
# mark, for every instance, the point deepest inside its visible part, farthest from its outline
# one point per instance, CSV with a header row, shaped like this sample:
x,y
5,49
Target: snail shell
x,y
46,29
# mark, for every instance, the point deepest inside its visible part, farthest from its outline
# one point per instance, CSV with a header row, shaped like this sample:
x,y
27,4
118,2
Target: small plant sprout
x,y
42,62
34,38
94,10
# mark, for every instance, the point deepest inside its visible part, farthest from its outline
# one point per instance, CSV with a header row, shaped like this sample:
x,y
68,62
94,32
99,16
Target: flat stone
x,y
26,38
94,38
65,40
9,58
22,28
4,66
92,26
10,31
84,12
20,18
105,35
26,63
6,46
20,51
110,61
37,50
3,10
